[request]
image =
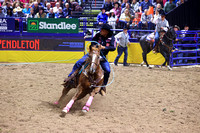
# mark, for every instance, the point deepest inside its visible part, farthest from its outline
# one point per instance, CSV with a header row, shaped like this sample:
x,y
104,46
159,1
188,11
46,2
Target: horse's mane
x,y
168,39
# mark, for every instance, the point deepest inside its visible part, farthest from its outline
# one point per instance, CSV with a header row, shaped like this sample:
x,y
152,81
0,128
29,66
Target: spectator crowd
x,y
136,14
39,8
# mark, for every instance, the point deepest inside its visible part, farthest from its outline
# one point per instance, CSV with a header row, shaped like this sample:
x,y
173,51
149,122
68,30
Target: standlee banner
x,y
7,24
52,25
43,44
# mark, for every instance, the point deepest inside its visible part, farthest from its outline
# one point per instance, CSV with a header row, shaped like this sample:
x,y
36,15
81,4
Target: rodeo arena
x,y
99,66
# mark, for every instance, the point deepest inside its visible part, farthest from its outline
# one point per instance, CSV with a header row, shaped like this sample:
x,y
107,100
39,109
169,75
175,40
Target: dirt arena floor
x,y
140,100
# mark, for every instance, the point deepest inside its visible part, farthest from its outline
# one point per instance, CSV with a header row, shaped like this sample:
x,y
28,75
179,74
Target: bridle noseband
x,y
93,62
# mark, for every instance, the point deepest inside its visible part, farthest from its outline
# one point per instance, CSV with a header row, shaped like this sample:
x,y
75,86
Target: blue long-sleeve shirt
x,y
102,18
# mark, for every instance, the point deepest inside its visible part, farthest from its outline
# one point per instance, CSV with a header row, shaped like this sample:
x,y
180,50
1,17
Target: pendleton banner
x,y
52,25
42,44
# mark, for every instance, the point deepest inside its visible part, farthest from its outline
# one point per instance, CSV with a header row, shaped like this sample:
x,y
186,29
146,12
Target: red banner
x,y
33,44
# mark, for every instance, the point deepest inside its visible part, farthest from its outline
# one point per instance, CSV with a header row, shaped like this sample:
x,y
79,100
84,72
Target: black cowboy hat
x,y
125,28
162,14
186,25
117,3
108,28
103,8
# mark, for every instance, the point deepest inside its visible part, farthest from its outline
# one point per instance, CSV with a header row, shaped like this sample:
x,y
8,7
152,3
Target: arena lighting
x,y
62,25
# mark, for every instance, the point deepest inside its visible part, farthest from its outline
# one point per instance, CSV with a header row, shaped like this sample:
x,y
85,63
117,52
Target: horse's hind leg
x,y
64,92
144,55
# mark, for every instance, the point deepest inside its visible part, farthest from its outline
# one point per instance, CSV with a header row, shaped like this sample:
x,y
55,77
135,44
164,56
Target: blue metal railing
x,y
188,49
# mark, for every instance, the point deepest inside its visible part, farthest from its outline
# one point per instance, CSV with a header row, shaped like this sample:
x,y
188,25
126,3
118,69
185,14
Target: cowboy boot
x,y
102,91
71,80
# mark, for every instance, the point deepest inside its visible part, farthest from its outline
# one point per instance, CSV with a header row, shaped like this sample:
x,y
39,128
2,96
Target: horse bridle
x,y
93,82
163,43
94,62
168,38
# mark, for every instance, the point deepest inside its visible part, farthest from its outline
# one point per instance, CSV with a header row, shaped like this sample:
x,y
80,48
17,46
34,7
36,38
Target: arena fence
x,y
188,47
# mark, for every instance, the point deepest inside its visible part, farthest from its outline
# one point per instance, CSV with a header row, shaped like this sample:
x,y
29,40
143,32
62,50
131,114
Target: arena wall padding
x,y
134,56
40,56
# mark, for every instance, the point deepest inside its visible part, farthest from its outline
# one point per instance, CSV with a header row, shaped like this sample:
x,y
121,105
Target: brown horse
x,y
89,81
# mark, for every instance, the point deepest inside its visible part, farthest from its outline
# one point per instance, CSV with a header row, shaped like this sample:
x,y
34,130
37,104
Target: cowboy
x,y
123,42
161,25
106,40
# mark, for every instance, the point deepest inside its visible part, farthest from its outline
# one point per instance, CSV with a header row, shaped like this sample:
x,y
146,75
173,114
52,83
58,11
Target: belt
x,y
121,46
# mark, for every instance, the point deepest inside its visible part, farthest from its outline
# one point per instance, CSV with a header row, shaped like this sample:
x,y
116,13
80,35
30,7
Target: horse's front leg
x,y
71,102
90,99
164,54
168,62
167,57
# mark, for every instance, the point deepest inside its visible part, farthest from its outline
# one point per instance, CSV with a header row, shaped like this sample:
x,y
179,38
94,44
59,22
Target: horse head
x,y
171,34
94,56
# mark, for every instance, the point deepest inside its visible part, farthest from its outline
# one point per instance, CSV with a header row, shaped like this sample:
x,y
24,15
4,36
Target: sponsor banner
x,y
51,25
7,24
42,44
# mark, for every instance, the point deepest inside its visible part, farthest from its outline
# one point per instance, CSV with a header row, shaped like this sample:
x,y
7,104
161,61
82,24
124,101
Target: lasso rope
x,y
12,64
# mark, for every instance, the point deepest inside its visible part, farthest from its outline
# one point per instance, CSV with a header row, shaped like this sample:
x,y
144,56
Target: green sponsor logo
x,y
43,25
33,25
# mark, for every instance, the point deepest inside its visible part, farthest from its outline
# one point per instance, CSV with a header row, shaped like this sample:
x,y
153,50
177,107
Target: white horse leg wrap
x,y
89,102
68,106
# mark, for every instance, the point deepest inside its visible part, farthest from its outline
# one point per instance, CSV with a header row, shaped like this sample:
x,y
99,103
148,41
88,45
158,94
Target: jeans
x,y
104,64
156,39
120,50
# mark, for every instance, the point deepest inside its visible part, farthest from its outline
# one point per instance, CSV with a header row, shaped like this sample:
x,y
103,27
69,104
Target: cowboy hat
x,y
108,28
18,9
103,8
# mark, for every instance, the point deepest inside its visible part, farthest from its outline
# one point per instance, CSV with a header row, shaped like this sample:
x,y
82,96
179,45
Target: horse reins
x,y
168,38
90,78
163,43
